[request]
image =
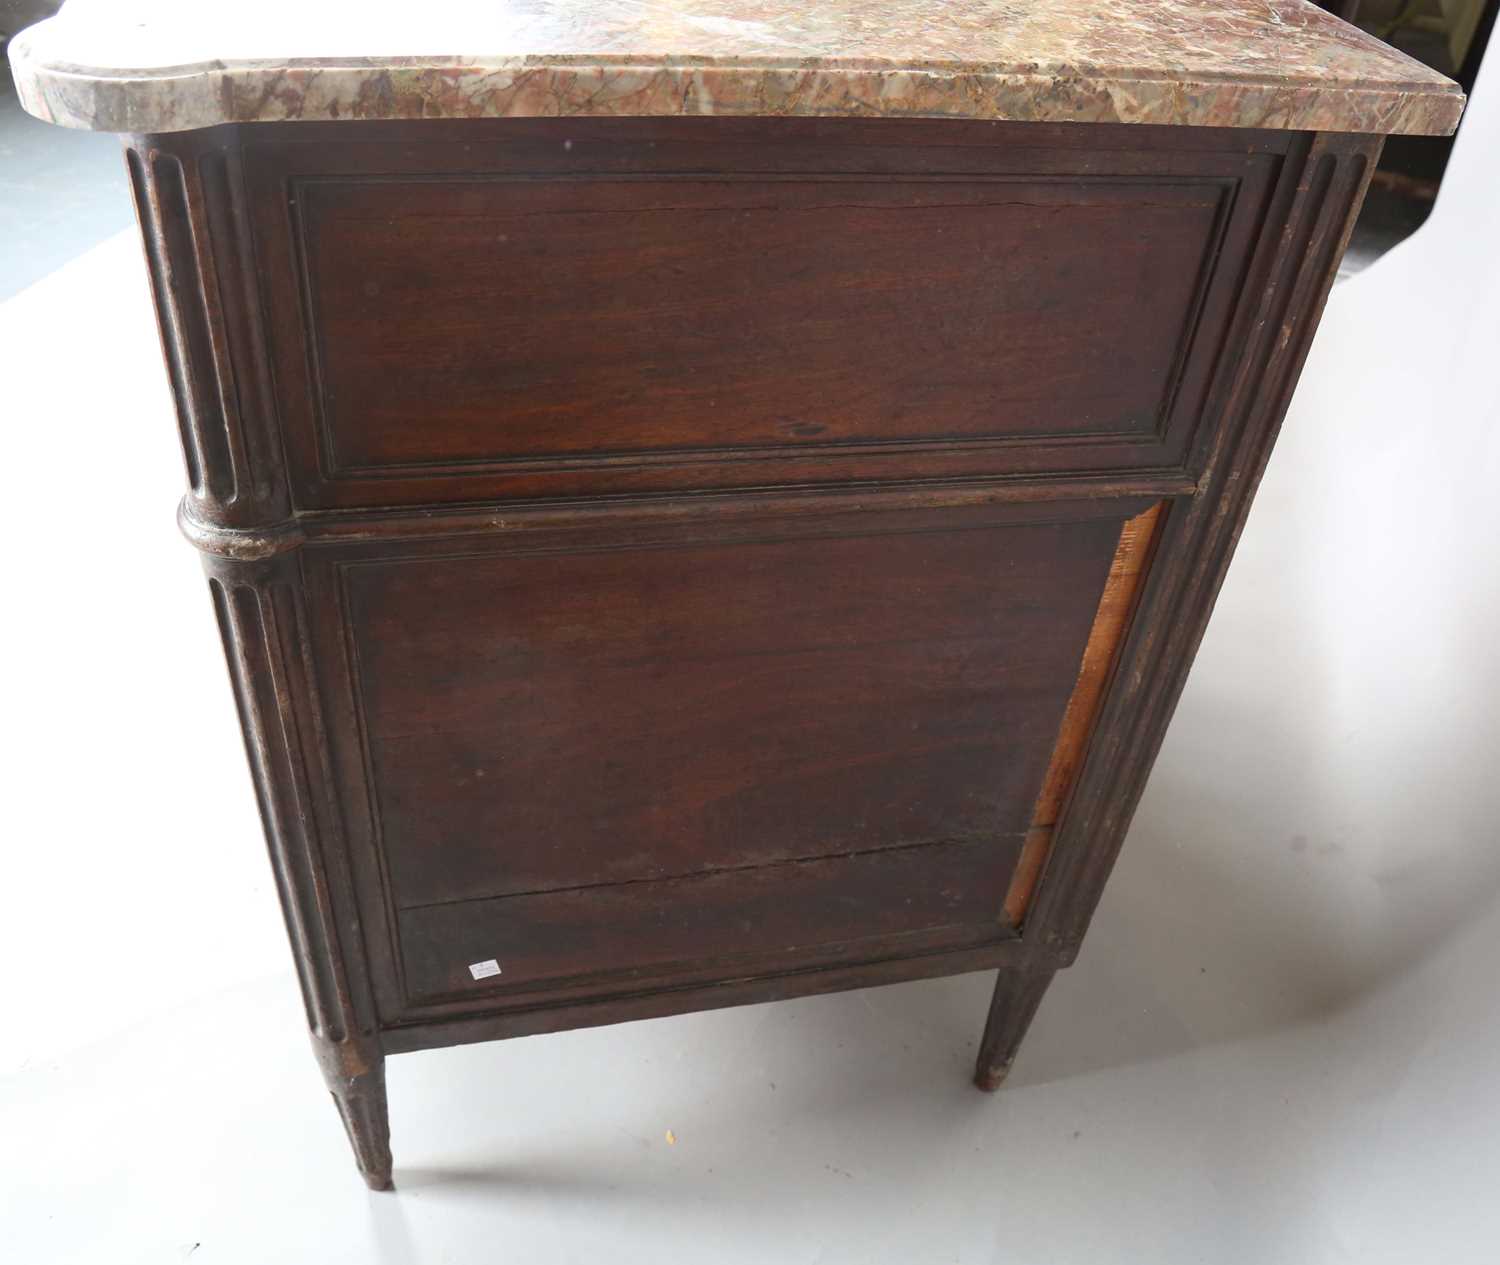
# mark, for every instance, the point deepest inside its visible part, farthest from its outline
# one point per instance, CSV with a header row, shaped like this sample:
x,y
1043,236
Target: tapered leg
x,y
356,1079
1017,995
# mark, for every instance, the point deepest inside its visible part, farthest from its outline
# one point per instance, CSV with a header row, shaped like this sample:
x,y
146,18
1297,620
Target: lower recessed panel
x,y
694,756
761,919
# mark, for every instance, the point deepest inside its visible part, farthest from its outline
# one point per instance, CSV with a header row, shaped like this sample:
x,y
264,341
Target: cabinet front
x,y
595,758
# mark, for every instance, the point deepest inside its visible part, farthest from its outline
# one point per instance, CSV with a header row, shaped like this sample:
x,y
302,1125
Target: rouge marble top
x,y
170,65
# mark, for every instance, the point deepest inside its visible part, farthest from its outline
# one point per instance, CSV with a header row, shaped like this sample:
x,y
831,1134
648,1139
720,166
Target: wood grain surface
x,y
770,569
1100,655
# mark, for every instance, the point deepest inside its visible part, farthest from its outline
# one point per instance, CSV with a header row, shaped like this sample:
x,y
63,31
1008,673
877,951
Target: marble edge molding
x,y
206,94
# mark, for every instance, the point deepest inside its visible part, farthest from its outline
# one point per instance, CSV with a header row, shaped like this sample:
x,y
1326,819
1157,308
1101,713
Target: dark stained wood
x,y
651,1000
715,924
737,303
566,320
761,710
580,706
358,1093
262,620
1014,1005
714,705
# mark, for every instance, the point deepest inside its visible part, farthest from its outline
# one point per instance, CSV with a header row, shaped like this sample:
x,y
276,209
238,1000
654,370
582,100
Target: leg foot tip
x,y
378,1181
990,1079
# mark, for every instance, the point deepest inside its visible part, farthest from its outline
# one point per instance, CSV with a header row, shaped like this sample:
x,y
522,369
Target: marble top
x,y
170,65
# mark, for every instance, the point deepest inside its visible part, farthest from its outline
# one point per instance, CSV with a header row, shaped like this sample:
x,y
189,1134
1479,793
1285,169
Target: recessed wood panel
x,y
505,320
588,717
561,307
752,920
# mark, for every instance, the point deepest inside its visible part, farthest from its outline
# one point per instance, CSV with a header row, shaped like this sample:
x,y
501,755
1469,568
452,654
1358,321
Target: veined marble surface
x,y
171,65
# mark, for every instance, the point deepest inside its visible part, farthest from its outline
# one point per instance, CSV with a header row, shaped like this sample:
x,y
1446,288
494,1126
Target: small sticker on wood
x,y
483,970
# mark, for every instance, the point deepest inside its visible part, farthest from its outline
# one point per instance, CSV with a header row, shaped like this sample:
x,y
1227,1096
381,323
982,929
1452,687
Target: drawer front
x,y
540,316
760,919
601,756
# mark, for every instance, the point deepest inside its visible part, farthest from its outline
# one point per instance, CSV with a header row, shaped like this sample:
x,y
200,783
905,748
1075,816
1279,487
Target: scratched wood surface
x,y
1121,589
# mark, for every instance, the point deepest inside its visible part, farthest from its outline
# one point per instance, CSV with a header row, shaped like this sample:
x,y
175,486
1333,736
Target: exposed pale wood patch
x,y
1110,622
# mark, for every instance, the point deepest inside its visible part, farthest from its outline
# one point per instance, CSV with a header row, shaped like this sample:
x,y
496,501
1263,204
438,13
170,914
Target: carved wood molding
x,y
189,201
262,620
1294,270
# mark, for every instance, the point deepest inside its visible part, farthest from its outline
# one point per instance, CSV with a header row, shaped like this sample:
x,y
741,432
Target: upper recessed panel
x,y
464,324
172,65
549,309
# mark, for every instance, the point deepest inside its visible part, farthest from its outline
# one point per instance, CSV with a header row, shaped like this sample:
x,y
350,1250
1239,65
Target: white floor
x,y
1280,1045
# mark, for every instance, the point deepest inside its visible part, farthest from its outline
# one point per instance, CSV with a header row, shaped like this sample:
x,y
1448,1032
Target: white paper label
x,y
483,970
